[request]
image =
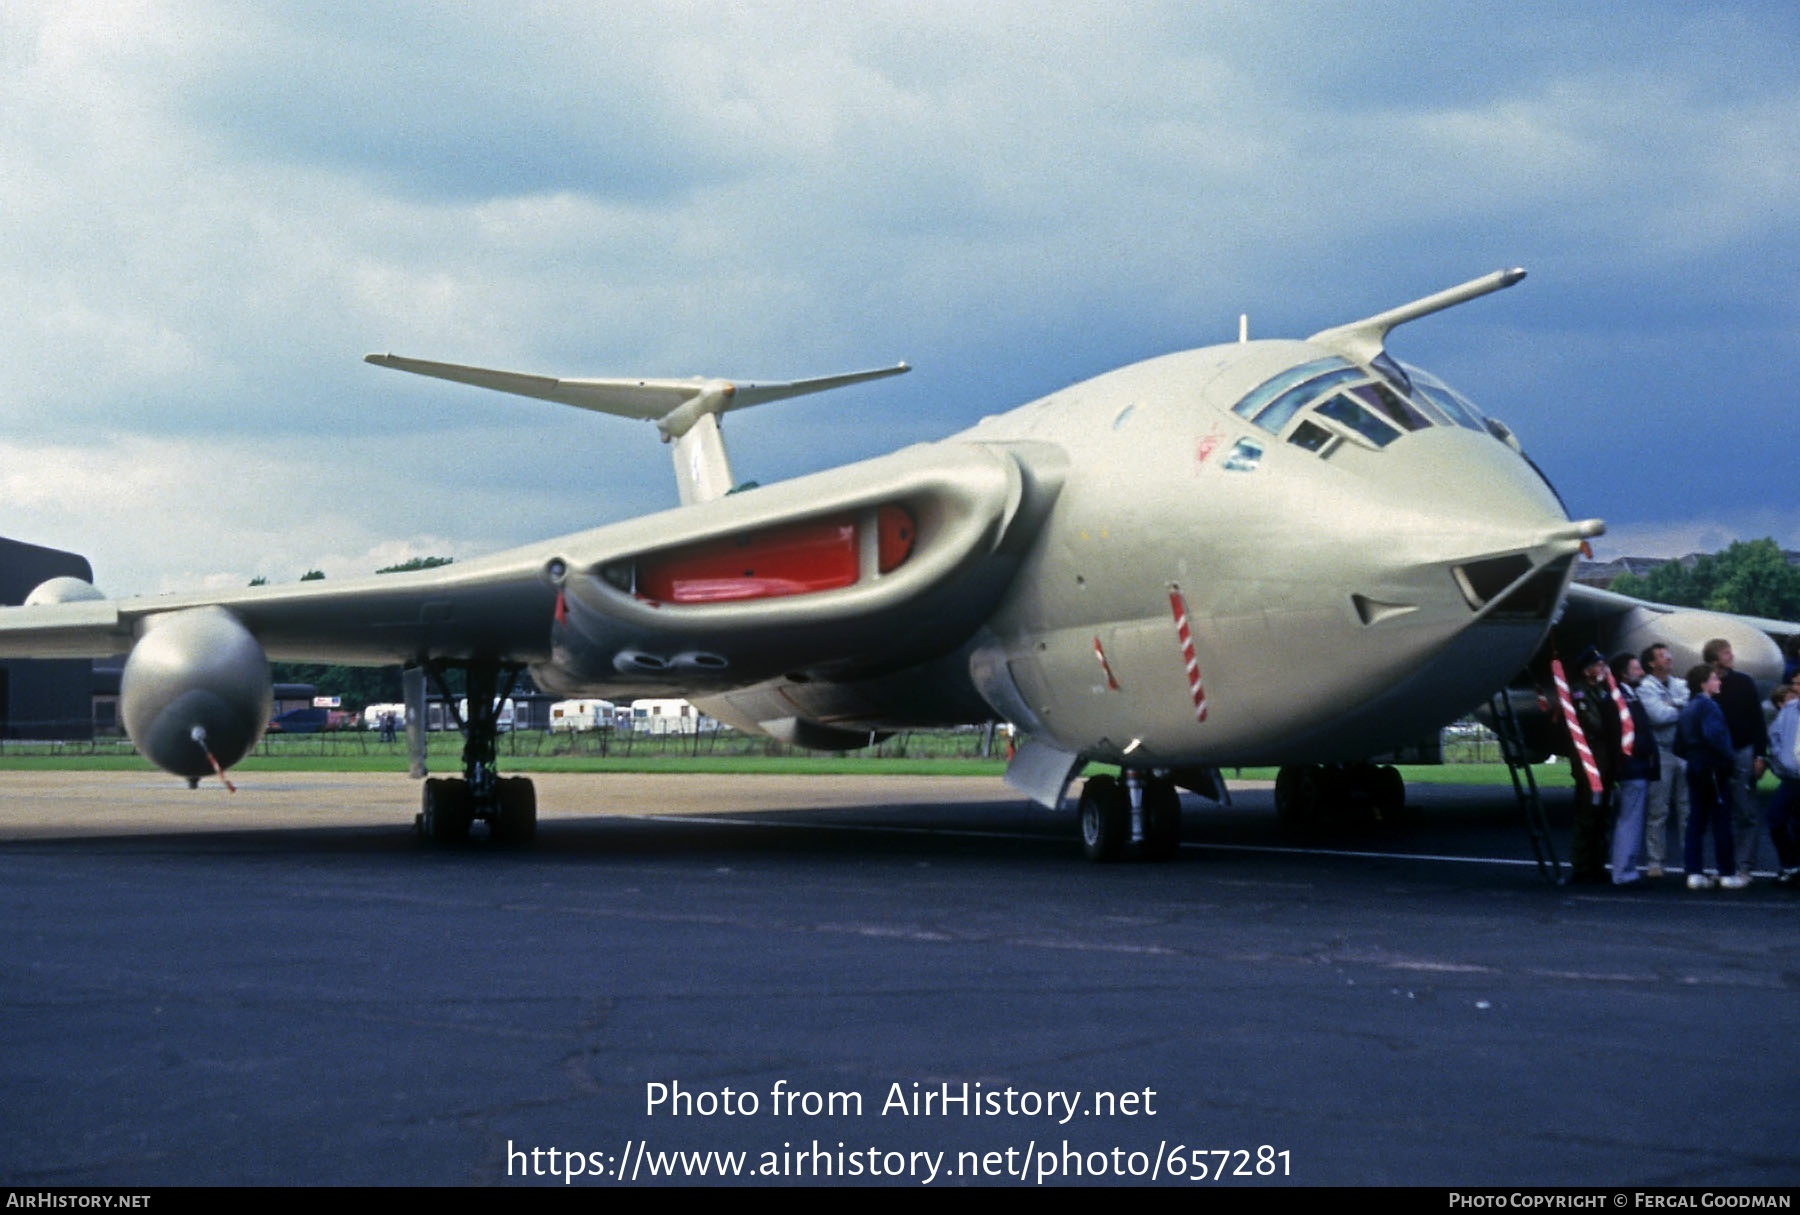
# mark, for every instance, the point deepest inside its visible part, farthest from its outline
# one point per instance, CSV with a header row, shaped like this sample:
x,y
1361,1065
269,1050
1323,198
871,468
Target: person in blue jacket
x,y
1783,809
1705,742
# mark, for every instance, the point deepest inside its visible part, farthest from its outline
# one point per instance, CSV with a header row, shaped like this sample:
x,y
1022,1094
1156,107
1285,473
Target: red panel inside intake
x,y
798,559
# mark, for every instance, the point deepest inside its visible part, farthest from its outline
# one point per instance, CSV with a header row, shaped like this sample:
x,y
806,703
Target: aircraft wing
x,y
1596,604
1617,623
494,606
665,601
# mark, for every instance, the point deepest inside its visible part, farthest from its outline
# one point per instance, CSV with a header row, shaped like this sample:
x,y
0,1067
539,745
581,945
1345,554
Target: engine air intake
x,y
795,559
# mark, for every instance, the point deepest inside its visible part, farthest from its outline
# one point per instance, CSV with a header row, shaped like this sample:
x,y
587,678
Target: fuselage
x,y
1361,555
1267,552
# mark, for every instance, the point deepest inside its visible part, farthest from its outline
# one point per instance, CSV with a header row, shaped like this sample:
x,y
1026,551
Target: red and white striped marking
x,y
223,779
1178,605
1112,684
198,734
1627,731
1588,767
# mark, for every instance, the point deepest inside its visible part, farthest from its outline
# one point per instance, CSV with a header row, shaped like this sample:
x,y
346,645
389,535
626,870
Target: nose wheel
x,y
1136,816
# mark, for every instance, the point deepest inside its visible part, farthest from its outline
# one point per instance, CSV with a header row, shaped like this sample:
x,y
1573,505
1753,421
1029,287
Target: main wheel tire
x,y
1162,820
1390,791
1350,792
446,812
1105,819
1337,791
1297,795
1390,798
517,821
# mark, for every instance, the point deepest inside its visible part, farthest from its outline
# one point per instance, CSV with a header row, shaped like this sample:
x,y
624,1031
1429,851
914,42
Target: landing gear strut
x,y
508,805
1135,816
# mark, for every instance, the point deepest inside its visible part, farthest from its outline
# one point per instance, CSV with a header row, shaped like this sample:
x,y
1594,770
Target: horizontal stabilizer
x,y
675,405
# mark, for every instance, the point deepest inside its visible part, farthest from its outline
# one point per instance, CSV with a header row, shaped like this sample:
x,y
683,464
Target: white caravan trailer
x,y
580,716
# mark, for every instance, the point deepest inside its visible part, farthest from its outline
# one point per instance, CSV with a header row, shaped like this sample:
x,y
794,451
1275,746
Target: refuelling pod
x,y
196,683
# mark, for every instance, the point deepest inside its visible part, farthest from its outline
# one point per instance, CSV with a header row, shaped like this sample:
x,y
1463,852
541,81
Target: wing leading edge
x,y
570,605
917,548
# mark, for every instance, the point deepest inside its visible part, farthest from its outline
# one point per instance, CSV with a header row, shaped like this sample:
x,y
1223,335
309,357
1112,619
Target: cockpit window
x,y
1311,437
1276,413
1448,402
1395,373
1387,403
1434,390
1346,412
1274,416
1377,408
1260,397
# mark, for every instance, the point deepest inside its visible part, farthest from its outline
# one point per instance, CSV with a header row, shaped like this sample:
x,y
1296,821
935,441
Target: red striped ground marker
x,y
1178,605
1627,731
1588,767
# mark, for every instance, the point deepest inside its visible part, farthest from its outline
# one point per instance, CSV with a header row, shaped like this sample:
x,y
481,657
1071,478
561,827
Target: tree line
x,y
1751,578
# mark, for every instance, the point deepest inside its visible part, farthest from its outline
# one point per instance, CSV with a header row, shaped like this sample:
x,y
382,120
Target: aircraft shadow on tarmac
x,y
1461,822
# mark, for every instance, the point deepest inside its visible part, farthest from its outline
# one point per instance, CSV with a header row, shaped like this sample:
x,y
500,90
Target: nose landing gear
x,y
1136,816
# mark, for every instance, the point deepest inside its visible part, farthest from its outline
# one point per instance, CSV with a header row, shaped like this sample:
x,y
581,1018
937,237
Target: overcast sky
x,y
211,212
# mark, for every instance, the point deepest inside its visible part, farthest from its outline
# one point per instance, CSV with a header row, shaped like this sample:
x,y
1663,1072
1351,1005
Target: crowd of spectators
x,y
1649,746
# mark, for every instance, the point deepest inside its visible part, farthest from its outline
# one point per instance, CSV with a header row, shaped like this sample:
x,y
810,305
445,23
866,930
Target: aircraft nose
x,y
1468,530
1457,558
1451,493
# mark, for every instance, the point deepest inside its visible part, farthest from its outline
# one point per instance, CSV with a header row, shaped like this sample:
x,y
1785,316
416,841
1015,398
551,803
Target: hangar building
x,y
43,698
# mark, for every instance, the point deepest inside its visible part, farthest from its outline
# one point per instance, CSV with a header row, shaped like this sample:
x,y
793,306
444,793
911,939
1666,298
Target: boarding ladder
x,y
1518,764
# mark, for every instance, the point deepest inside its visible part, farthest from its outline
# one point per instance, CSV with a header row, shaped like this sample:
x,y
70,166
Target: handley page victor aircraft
x,y
1273,552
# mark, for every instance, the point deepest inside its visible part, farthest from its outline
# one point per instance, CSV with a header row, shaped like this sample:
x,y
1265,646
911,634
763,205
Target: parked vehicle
x,y
665,716
579,716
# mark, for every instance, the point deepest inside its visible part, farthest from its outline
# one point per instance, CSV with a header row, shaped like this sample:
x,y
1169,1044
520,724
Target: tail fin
x,y
685,411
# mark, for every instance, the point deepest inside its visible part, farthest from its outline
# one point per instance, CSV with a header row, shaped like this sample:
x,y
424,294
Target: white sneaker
x,y
1736,881
1699,881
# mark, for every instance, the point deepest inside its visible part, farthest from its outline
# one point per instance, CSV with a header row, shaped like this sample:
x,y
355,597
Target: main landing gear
x,y
507,804
1307,795
1136,816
